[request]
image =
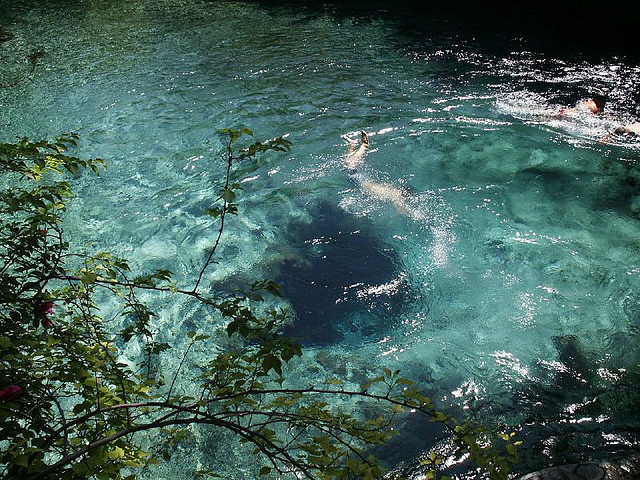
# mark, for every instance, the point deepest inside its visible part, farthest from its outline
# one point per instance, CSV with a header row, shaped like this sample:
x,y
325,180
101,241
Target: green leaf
x,y
80,407
72,167
404,381
88,278
372,382
228,195
116,453
271,362
215,212
90,382
81,469
439,417
22,460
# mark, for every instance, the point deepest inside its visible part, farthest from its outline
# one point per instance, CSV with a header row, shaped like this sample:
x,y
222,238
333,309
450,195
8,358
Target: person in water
x,y
629,129
354,158
594,105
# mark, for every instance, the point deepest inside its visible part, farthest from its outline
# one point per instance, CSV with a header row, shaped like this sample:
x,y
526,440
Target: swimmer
x,y
594,105
628,129
354,158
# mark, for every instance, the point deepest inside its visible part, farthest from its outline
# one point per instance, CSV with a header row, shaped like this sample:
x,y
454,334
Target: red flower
x,y
10,392
43,311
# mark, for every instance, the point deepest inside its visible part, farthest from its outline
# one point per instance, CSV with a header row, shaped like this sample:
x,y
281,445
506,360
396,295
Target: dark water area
x,y
340,272
571,29
558,27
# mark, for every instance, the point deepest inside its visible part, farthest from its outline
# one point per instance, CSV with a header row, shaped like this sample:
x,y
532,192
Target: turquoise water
x,y
505,279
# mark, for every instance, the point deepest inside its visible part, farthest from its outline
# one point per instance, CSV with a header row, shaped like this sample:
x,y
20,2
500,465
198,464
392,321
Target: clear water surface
x,y
504,277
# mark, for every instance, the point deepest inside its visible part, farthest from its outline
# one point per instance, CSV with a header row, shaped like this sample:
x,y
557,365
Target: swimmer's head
x,y
596,104
620,131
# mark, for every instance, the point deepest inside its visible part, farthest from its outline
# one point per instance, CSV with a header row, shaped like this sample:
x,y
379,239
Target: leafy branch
x,y
228,192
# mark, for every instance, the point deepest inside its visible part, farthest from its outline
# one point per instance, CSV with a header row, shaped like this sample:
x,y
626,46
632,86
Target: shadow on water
x,y
578,414
347,286
585,410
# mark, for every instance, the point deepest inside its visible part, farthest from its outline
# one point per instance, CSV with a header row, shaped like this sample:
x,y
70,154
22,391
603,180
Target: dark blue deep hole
x,y
330,289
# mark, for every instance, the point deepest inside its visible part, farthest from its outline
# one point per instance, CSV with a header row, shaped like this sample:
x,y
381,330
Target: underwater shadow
x,y
345,286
